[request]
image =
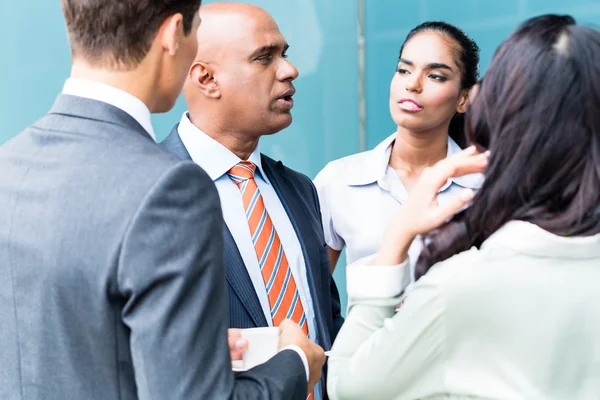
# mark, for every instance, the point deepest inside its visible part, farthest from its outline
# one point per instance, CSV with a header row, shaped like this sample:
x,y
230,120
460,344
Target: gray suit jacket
x,y
112,284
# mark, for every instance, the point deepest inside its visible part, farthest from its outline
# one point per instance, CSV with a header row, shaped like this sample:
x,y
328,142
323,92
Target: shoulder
x,y
343,173
133,166
162,172
457,276
295,177
455,265
345,167
360,168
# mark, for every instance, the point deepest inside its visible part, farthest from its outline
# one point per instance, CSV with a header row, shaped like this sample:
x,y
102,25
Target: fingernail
x,y
240,343
487,153
467,194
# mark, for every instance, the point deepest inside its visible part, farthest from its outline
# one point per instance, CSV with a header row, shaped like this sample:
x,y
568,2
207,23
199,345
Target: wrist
x,y
394,248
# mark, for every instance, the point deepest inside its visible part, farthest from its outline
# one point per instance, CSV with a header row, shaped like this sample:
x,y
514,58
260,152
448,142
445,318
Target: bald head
x,y
241,73
224,24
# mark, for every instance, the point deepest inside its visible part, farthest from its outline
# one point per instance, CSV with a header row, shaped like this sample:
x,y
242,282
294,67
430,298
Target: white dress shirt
x,y
216,160
517,319
359,194
113,96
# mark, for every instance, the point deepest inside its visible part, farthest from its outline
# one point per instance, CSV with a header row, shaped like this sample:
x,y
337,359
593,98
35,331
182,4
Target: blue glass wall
x,y
387,22
323,36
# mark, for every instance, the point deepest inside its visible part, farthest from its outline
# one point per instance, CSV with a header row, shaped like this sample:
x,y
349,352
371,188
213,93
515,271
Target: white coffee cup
x,y
263,344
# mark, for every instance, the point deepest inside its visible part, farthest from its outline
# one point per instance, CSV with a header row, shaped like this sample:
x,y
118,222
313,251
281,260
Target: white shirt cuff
x,y
302,356
368,281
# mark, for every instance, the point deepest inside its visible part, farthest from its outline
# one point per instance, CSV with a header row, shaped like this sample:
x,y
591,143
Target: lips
x,y
285,100
409,105
287,94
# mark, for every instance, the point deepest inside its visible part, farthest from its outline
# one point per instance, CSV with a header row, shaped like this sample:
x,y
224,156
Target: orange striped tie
x,y
284,298
281,287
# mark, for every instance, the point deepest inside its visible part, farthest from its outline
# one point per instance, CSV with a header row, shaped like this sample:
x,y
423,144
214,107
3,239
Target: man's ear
x,y
171,33
202,75
463,102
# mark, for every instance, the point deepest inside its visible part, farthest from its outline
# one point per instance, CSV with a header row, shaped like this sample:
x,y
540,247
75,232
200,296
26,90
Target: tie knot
x,y
242,171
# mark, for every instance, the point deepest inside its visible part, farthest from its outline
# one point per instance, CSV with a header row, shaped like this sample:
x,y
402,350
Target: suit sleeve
x,y
336,308
172,278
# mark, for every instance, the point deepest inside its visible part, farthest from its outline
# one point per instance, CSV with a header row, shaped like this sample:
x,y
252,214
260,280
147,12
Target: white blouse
x,y
517,319
359,194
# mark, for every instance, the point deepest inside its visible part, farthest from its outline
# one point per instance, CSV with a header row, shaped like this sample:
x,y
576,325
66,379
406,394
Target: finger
x,y
470,165
241,345
451,167
442,213
237,348
236,355
287,324
469,151
233,335
464,158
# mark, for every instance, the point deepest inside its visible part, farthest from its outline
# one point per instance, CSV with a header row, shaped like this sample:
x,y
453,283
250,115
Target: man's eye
x,y
265,58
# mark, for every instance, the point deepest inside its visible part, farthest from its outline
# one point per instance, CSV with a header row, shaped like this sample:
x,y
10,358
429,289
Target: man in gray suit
x,y
110,248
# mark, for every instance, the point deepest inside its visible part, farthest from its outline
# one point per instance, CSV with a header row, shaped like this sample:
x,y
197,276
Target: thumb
x,y
443,212
286,325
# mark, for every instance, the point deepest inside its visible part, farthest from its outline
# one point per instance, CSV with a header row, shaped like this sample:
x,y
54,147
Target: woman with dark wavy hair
x,y
508,303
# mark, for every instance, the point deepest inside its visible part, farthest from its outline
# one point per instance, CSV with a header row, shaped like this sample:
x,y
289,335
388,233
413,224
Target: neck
x,y
128,81
415,151
239,143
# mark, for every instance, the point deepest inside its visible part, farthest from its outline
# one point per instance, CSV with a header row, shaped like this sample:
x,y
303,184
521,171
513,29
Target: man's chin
x,y
282,121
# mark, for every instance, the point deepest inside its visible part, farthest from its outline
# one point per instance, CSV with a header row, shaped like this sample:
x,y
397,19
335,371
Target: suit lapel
x,y
239,280
235,269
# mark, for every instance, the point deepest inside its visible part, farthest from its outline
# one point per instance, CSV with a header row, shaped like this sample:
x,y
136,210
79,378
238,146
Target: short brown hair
x,y
119,33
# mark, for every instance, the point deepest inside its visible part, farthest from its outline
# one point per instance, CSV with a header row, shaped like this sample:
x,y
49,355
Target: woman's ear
x,y
463,101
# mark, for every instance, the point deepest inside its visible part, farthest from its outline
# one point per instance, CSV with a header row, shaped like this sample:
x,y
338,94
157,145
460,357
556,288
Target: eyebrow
x,y
270,48
429,66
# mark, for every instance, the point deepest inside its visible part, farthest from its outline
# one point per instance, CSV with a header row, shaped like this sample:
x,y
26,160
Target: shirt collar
x,y
373,165
113,96
529,238
211,155
377,161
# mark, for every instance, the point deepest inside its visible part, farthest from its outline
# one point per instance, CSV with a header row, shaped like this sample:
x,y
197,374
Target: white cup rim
x,y
263,329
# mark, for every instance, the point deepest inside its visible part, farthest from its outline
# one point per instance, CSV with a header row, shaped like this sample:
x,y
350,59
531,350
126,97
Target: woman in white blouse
x,y
508,301
438,65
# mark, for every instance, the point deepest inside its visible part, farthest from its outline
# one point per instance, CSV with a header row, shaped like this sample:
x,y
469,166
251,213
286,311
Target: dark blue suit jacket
x,y
299,198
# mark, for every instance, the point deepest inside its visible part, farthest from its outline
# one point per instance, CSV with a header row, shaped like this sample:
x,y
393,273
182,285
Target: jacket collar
x,y
111,95
529,238
94,110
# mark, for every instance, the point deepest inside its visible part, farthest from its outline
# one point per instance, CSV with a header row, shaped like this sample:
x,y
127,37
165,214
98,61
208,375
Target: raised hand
x,y
421,213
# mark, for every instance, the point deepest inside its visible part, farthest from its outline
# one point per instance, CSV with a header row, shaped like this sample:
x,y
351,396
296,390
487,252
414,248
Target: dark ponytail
x,y
456,130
